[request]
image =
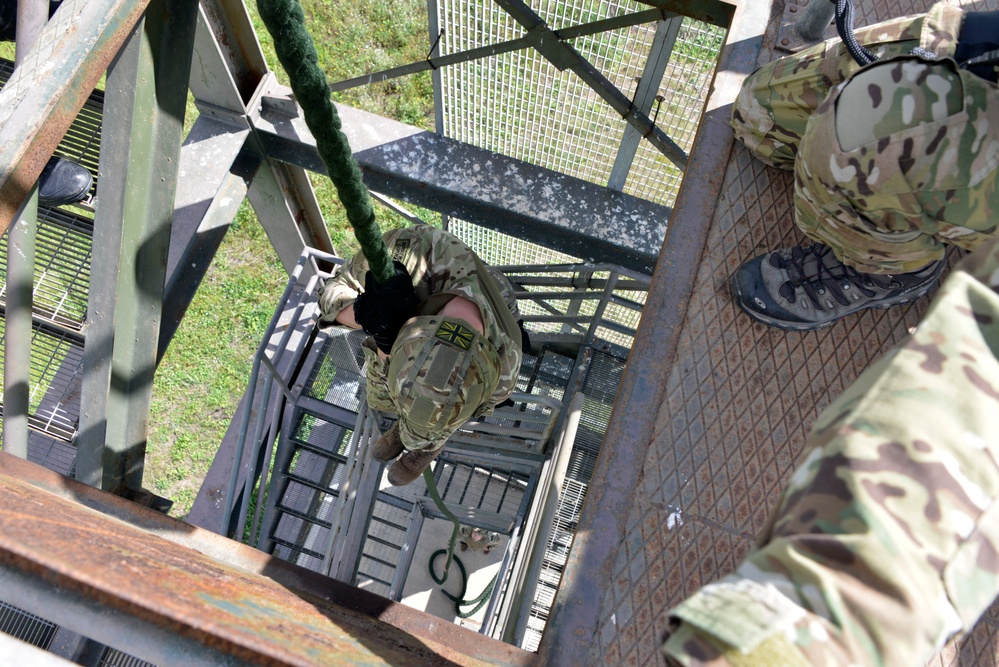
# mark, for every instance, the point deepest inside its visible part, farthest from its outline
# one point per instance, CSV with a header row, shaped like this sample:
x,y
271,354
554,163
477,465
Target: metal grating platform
x,y
62,268
81,143
56,373
722,416
64,244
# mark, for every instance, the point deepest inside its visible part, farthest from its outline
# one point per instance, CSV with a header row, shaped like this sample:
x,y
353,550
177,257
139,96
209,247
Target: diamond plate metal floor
x,y
716,407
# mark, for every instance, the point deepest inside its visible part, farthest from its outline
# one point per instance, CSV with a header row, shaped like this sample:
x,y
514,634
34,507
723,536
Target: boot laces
x,y
817,271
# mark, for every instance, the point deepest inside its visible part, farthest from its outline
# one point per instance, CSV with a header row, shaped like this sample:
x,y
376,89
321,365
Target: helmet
x,y
440,372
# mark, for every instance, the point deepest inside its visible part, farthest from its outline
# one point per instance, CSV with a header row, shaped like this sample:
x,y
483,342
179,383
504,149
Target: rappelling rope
x,y
428,477
293,44
458,600
297,52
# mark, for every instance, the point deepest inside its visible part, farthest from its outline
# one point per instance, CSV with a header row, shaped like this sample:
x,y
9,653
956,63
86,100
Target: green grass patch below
x,y
206,369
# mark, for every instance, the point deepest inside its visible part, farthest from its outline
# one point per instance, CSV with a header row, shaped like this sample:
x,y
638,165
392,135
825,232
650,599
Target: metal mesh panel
x,y
556,552
336,378
55,377
115,658
497,248
62,268
81,143
520,105
52,453
548,373
27,627
600,388
683,91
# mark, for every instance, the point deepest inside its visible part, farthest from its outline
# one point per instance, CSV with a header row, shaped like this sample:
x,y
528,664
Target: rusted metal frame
x,y
43,96
72,609
32,16
143,123
563,56
478,53
577,612
715,12
198,592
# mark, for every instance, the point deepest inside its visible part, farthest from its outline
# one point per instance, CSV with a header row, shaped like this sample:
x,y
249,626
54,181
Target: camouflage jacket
x,y
885,542
442,267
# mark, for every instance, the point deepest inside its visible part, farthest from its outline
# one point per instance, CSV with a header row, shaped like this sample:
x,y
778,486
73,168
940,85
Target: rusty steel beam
x,y
208,590
578,605
43,96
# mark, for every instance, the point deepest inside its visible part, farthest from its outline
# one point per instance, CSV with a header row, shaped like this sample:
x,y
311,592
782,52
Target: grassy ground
x,y
202,377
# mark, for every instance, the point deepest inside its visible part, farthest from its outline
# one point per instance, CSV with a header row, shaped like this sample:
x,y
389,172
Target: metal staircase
x,y
313,497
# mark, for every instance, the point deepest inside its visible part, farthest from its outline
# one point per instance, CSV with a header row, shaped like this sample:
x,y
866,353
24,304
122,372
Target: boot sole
x,y
909,297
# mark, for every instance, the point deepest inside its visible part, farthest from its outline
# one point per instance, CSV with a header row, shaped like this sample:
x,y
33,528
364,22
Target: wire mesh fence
x,y
520,104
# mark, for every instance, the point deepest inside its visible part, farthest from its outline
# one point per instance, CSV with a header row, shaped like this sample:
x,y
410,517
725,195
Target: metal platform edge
x,y
575,617
355,618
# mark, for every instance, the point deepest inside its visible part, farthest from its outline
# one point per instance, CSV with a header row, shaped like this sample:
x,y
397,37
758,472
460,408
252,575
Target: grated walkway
x,y
715,408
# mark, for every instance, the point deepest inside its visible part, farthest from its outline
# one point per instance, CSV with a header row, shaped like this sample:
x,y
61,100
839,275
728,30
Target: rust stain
x,y
188,593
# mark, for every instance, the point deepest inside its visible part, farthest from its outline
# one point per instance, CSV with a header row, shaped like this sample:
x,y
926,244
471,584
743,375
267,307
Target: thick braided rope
x,y
285,20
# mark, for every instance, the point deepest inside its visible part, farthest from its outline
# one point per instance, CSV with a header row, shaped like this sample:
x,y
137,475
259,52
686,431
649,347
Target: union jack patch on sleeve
x,y
455,333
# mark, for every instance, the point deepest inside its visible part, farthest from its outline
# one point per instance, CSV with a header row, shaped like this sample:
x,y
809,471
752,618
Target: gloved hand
x,y
381,310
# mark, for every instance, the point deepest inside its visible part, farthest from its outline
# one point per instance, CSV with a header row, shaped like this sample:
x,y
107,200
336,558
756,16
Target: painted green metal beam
x,y
144,116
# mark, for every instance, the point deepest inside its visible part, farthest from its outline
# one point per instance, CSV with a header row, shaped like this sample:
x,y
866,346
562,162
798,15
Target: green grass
x,y
205,371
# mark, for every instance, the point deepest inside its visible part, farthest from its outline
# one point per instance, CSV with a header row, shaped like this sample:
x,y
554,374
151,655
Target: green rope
x,y
428,477
458,600
297,52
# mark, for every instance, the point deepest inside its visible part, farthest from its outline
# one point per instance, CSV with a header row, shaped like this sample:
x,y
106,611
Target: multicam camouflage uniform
x,y
442,267
886,540
891,163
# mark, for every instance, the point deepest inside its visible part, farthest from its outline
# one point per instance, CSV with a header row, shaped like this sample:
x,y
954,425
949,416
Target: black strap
x,y
844,26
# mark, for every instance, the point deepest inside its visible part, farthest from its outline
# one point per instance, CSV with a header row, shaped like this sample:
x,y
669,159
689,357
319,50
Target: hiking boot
x,y
411,465
63,182
807,288
388,446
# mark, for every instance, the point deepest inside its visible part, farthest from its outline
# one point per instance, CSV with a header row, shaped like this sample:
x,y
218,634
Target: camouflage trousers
x,y
885,542
892,162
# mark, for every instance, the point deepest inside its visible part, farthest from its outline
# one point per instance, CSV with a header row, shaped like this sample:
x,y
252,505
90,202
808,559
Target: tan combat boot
x,y
388,446
410,466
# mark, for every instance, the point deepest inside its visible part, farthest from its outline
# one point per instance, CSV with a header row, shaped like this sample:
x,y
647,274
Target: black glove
x,y
381,310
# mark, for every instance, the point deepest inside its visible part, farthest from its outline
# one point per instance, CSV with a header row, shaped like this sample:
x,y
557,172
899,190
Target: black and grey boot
x,y
807,287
